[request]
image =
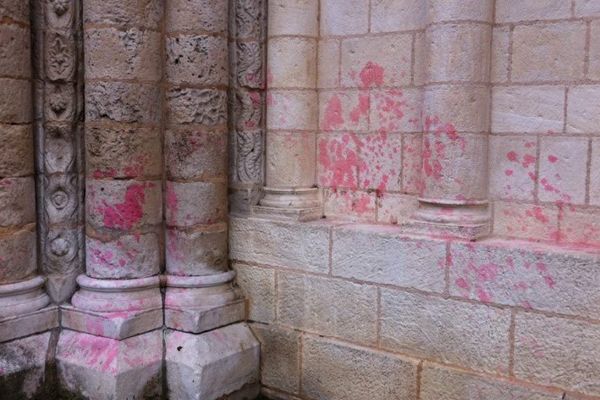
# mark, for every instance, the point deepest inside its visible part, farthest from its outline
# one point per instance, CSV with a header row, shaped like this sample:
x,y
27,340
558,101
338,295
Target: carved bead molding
x,y
247,98
58,132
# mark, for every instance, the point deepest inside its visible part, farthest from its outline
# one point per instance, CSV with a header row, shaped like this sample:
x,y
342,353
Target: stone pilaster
x,y
292,111
456,119
200,303
119,305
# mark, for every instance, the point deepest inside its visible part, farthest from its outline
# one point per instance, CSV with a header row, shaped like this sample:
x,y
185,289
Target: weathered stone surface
x,y
397,15
15,51
18,251
500,54
195,153
344,17
508,11
122,102
328,306
512,163
258,287
116,54
282,244
15,109
16,10
336,371
211,365
196,106
196,253
182,201
293,17
450,384
473,336
328,63
103,368
463,106
384,255
594,67
280,355
16,150
17,205
583,109
292,62
527,275
589,8
184,15
197,59
127,13
558,351
286,166
23,366
453,10
204,319
532,109
292,109
28,324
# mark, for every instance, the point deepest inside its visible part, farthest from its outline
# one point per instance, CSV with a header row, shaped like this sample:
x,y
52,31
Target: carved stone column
x,y
247,41
116,313
290,189
456,122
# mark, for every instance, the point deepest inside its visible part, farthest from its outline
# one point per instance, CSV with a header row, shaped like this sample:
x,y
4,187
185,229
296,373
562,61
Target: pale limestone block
x,y
396,110
594,66
23,366
344,110
293,17
290,159
328,306
258,286
196,106
556,351
116,54
197,59
15,101
338,156
457,10
500,54
108,368
205,153
397,15
420,59
548,52
205,15
15,10
526,274
15,51
213,364
458,52
563,166
336,371
512,167
472,336
350,205
381,156
344,17
532,109
595,174
329,64
451,384
18,252
526,221
382,254
280,355
16,150
292,62
283,244
587,8
583,109
376,61
124,13
532,10
580,226
465,107
395,208
412,164
183,209
201,252
292,109
122,102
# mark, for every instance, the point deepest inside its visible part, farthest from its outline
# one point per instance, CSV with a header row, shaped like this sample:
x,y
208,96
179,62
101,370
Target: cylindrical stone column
x,y
292,111
196,70
456,121
123,147
21,291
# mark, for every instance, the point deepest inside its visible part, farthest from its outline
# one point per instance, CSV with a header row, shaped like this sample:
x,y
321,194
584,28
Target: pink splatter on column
x,y
290,190
454,193
20,288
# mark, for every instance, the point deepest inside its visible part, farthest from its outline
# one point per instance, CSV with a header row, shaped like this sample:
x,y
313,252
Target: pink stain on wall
x,y
371,75
333,114
128,213
339,161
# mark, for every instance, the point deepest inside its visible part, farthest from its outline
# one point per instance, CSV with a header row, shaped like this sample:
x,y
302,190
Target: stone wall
x,y
486,108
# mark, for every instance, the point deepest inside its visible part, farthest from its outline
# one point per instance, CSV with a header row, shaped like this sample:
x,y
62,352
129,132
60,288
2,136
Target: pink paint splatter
x,y
371,75
128,213
333,114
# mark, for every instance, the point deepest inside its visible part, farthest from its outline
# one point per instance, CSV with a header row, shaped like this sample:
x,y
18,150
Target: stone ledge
x,y
28,324
116,325
202,320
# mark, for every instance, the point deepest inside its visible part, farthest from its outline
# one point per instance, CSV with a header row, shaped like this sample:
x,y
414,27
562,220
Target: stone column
x,y
21,290
456,114
292,111
199,296
118,309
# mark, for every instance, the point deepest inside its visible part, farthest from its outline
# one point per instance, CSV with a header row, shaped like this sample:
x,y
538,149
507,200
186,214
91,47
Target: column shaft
x,y
197,65
292,110
456,121
20,289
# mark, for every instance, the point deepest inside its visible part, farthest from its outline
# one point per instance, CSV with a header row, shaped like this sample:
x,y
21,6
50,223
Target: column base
x,y
95,367
23,297
295,204
23,367
115,309
29,323
201,303
220,364
469,222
